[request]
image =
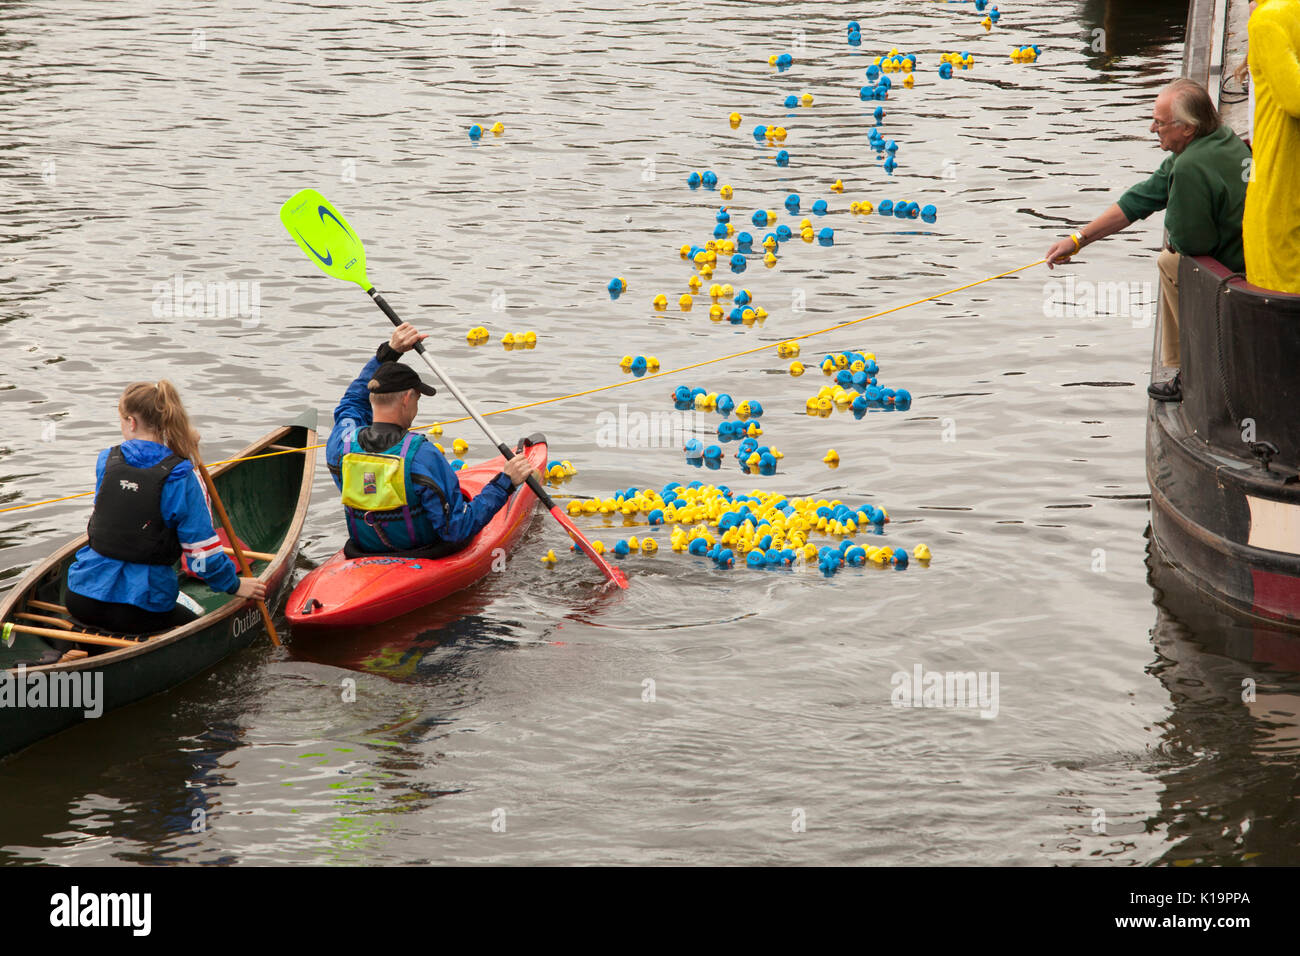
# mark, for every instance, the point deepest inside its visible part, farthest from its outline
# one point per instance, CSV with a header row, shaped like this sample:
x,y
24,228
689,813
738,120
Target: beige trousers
x,y
1168,265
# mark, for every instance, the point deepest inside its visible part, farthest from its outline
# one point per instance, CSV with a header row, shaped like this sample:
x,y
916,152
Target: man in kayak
x,y
400,496
1201,187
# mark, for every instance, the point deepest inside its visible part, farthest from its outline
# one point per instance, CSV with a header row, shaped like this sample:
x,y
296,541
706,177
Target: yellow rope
x,y
631,381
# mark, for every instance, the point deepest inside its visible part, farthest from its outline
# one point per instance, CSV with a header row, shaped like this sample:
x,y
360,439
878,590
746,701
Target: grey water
x,y
703,716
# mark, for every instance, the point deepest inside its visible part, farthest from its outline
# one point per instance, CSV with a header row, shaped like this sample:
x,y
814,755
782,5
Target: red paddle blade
x,y
612,573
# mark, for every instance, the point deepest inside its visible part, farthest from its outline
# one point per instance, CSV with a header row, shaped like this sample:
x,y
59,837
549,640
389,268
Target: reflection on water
x,y
1235,688
1130,28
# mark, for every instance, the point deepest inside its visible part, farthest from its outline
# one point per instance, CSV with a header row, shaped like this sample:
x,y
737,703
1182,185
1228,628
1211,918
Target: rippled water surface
x,y
140,142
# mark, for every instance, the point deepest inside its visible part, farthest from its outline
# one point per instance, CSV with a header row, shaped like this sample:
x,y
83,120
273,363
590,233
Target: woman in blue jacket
x,y
150,508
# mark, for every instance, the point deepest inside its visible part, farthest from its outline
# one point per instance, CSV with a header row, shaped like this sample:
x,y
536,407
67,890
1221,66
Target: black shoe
x,y
1170,391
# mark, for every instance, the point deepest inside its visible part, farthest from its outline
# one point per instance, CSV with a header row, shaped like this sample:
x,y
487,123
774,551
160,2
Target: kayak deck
x,y
349,592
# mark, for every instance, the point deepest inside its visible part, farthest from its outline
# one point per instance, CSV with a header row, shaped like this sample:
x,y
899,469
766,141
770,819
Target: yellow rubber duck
x,y
832,457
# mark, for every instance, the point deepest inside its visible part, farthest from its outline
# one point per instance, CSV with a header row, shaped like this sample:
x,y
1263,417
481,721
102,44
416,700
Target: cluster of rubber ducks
x,y
638,365
733,247
458,447
519,340
773,135
947,61
496,129
558,471
883,147
768,529
753,458
511,340
990,18
855,386
756,459
782,61
1025,54
902,209
708,179
685,398
819,207
879,83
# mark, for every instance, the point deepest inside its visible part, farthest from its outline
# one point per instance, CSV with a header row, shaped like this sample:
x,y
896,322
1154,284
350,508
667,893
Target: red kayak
x,y
347,592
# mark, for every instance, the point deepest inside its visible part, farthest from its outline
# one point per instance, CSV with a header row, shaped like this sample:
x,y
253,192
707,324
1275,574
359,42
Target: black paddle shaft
x,y
506,451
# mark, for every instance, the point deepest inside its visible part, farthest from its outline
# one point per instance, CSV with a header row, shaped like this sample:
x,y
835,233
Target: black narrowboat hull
x,y
1225,494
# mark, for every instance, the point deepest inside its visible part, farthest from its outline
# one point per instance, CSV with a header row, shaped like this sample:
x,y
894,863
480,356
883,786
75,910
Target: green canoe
x,y
267,501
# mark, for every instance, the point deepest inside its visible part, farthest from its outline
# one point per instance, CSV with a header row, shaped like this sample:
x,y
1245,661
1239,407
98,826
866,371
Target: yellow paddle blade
x,y
325,236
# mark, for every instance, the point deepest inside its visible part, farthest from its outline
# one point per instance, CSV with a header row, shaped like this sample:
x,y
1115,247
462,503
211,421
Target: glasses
x,y
1159,124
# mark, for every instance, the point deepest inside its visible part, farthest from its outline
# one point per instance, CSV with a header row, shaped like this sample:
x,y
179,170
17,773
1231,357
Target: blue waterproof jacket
x,y
462,519
184,507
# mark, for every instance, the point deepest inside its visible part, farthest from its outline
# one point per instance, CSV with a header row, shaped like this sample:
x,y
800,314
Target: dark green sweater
x,y
1203,189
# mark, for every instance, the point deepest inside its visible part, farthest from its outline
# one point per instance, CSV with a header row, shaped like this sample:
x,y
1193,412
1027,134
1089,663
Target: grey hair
x,y
1192,106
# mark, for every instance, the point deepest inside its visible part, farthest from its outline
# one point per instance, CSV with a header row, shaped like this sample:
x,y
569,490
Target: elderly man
x,y
399,494
1201,187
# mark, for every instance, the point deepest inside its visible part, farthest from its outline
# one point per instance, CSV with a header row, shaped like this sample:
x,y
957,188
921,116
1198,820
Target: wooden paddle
x,y
240,559
77,636
329,241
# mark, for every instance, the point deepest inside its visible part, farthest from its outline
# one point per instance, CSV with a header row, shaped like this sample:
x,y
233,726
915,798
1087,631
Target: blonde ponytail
x,y
158,406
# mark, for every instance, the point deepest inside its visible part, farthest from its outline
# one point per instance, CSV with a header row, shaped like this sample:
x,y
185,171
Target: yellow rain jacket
x,y
1271,224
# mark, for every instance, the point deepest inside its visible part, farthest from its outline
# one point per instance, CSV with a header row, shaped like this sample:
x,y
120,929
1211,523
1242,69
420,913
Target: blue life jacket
x,y
380,501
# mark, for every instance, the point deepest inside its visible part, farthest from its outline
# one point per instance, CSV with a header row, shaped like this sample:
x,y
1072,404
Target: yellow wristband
x,y
1078,240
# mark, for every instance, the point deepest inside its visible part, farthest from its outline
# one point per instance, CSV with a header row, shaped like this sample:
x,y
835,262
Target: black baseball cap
x,y
396,377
